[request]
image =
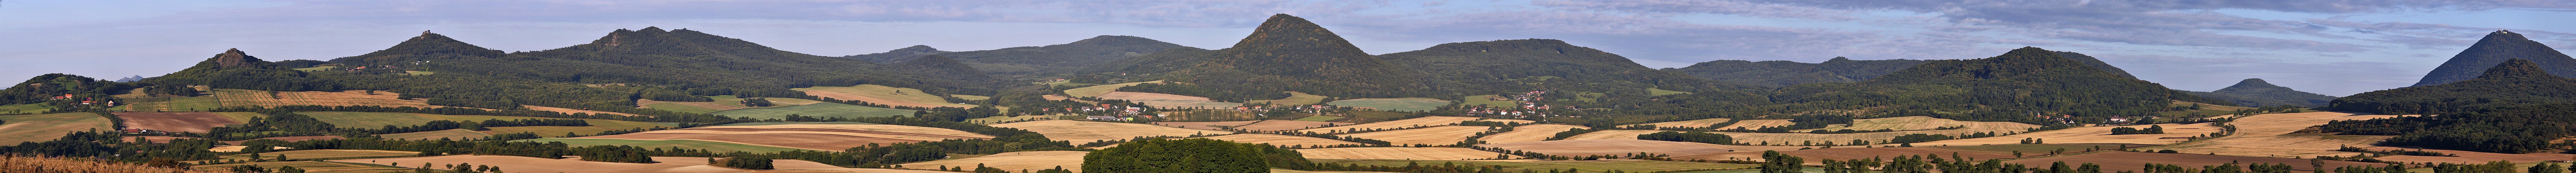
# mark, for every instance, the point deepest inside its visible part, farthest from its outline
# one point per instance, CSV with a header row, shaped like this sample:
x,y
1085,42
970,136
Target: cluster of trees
x,y
649,116
745,162
2151,129
1196,90
2512,129
1700,137
1192,155
2513,82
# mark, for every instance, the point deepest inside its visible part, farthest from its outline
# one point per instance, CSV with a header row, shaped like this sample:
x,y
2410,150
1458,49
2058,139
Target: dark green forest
x,y
2513,82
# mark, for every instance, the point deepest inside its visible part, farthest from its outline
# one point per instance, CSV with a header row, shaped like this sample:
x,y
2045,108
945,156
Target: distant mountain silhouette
x,y
2026,79
2497,47
426,47
1784,73
1506,65
2515,81
2256,93
235,69
936,66
130,78
1288,53
898,55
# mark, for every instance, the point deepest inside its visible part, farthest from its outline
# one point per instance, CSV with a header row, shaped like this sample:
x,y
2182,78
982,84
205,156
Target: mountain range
x,y
2495,48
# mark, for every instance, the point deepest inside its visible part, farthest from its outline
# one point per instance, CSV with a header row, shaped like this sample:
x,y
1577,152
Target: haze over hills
x,y
1784,73
2258,93
2495,48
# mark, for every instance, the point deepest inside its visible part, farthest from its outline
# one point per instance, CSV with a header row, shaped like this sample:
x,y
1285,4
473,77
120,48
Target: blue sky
x,y
2328,47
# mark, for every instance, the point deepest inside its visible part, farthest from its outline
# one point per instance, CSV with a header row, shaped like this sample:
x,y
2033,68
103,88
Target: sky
x,y
2332,47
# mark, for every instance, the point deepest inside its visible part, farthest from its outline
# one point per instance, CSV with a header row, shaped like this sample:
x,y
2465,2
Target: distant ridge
x,y
2513,82
1784,73
2025,79
427,46
1288,53
2495,48
2256,93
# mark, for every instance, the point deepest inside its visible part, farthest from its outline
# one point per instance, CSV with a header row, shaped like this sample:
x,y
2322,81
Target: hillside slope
x,y
2258,93
2515,81
1785,73
2495,48
2007,86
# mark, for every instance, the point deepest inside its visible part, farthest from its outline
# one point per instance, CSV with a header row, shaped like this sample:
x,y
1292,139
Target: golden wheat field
x,y
2269,135
1281,140
1415,122
1527,133
1925,123
1012,161
83,165
2174,133
575,165
826,137
1087,131
1625,146
1401,153
1757,124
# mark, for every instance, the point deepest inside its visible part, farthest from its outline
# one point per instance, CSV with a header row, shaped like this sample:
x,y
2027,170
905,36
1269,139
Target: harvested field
x,y
1685,124
1080,132
199,122
885,95
1014,161
1790,138
47,127
241,97
1758,124
290,139
162,139
1415,122
1442,135
2269,135
1161,100
138,102
310,166
1399,153
1206,125
690,144
1012,119
1927,123
2470,157
1508,121
1394,104
817,110
1527,133
1588,166
381,119
2115,161
575,165
1277,170
453,134
971,97
1096,91
1284,125
1320,118
788,123
1294,98
328,154
689,107
2090,135
827,137
1281,140
1626,146
228,148
1843,153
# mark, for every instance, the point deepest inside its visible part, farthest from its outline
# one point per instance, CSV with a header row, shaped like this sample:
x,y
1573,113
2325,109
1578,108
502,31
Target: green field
x,y
1096,91
818,110
1661,92
420,72
906,96
1481,100
787,123
1294,98
47,127
1541,166
971,97
315,68
312,166
719,147
1395,104
24,109
454,134
675,107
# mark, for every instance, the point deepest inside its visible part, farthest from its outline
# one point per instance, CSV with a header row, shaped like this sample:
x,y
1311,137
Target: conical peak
x,y
916,48
1112,39
234,58
2251,83
1285,30
652,29
2504,35
2516,67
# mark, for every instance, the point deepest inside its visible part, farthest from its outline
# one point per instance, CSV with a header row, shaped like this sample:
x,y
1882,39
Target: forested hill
x,y
2258,93
2000,87
1784,73
1035,62
235,69
936,66
2497,47
2095,63
2512,82
426,47
898,55
1290,54
704,64
1511,65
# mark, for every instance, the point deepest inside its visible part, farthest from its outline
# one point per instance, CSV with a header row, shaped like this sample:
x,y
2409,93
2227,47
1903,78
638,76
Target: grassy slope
x,y
23,108
719,147
46,127
327,154
1481,100
1096,91
906,95
312,166
675,107
818,110
1661,91
1294,98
